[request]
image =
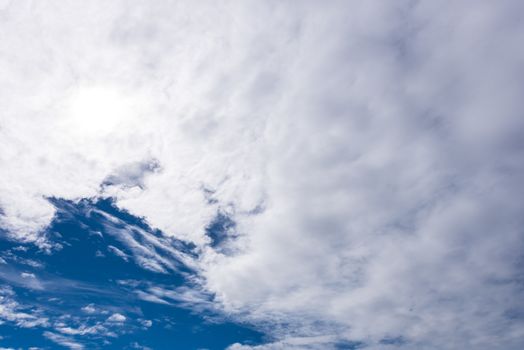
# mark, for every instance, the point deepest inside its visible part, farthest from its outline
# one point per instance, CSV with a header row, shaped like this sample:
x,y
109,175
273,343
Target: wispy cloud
x,y
64,341
118,252
20,315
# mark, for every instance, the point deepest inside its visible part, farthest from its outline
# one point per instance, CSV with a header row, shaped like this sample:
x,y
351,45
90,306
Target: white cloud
x,y
150,251
118,252
17,314
298,343
64,341
89,309
382,140
146,323
136,345
116,317
189,297
82,330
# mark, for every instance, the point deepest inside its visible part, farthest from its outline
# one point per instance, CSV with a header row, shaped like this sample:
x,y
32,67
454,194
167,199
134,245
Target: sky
x,y
262,175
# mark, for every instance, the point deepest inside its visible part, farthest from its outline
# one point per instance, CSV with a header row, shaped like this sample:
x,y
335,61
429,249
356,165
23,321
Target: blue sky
x,y
90,276
261,175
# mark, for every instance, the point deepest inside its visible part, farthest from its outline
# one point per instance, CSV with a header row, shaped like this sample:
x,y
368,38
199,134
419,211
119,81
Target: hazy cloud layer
x,y
370,153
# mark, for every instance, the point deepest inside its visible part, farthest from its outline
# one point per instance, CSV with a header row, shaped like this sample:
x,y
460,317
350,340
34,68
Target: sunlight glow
x,y
98,110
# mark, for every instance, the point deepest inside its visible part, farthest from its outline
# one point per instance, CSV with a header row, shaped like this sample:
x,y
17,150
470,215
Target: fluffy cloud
x,y
116,318
369,153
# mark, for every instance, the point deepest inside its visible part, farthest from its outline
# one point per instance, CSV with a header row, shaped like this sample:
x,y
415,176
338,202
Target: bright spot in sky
x,y
95,110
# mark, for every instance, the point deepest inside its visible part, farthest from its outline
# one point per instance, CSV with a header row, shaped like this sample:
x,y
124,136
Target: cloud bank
x,y
369,153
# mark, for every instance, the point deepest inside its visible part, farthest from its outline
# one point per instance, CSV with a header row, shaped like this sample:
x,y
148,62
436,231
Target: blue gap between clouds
x,y
85,272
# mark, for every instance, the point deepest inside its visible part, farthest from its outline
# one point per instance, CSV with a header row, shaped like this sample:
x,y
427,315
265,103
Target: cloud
x,y
17,314
299,343
89,309
64,341
116,317
146,323
191,297
130,175
118,252
370,154
82,330
136,345
149,249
